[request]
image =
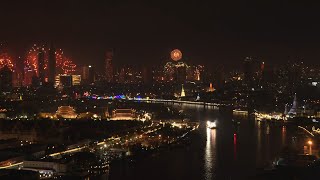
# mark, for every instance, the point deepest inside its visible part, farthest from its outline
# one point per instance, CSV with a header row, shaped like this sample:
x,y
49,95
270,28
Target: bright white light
x,y
211,124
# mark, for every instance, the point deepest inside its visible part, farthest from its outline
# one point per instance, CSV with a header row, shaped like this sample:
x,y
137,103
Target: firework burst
x,y
6,60
63,63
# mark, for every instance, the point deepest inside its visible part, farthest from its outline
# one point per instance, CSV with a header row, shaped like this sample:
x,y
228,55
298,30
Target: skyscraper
x,y
41,66
92,74
5,79
109,67
28,74
250,68
88,74
17,78
180,74
52,65
85,73
146,75
122,75
182,94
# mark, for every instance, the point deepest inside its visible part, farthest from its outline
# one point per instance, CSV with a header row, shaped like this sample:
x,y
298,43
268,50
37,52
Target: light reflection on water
x,y
210,154
227,152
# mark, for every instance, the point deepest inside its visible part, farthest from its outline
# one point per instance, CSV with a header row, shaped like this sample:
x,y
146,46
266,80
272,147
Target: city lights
x,y
173,90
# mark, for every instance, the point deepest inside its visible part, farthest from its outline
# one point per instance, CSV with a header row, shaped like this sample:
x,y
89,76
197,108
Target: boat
x,y
211,125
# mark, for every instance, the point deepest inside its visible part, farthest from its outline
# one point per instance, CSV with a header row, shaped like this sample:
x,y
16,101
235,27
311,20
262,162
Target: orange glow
x,y
6,60
176,55
62,62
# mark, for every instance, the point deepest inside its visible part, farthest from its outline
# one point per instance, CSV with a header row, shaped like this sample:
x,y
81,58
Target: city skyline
x,y
173,89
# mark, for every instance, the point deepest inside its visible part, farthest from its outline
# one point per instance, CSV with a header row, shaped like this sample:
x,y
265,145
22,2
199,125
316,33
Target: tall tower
x,y
293,110
41,66
146,75
92,74
52,64
122,75
109,67
248,66
182,94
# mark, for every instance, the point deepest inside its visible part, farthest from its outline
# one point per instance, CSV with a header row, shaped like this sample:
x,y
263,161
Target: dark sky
x,y
143,32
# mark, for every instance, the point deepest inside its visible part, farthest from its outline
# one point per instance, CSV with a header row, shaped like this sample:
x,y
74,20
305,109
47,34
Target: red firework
x,y
68,67
6,60
62,62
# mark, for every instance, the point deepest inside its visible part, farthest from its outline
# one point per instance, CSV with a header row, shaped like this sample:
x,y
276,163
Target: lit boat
x,y
212,125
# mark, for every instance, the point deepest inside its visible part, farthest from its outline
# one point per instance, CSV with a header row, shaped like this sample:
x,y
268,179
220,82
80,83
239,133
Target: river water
x,y
229,152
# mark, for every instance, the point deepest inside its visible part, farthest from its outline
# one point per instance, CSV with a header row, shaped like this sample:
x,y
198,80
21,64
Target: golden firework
x,y
176,55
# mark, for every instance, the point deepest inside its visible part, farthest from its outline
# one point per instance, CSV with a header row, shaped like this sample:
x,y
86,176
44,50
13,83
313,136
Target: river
x,y
228,152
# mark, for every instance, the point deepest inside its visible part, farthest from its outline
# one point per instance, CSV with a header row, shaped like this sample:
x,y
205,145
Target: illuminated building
x,y
76,80
92,75
63,80
88,74
293,110
28,74
197,74
5,79
122,75
85,73
17,79
52,64
182,94
123,114
41,64
57,81
211,89
109,67
66,112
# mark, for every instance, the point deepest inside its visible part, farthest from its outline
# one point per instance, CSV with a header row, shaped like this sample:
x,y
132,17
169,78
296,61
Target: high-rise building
x,y
218,76
251,68
41,63
146,75
122,75
52,64
109,66
16,78
76,80
65,80
180,74
5,79
88,74
92,74
182,94
28,74
85,73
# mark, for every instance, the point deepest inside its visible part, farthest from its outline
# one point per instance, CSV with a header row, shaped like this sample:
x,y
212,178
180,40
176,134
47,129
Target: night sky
x,y
143,32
